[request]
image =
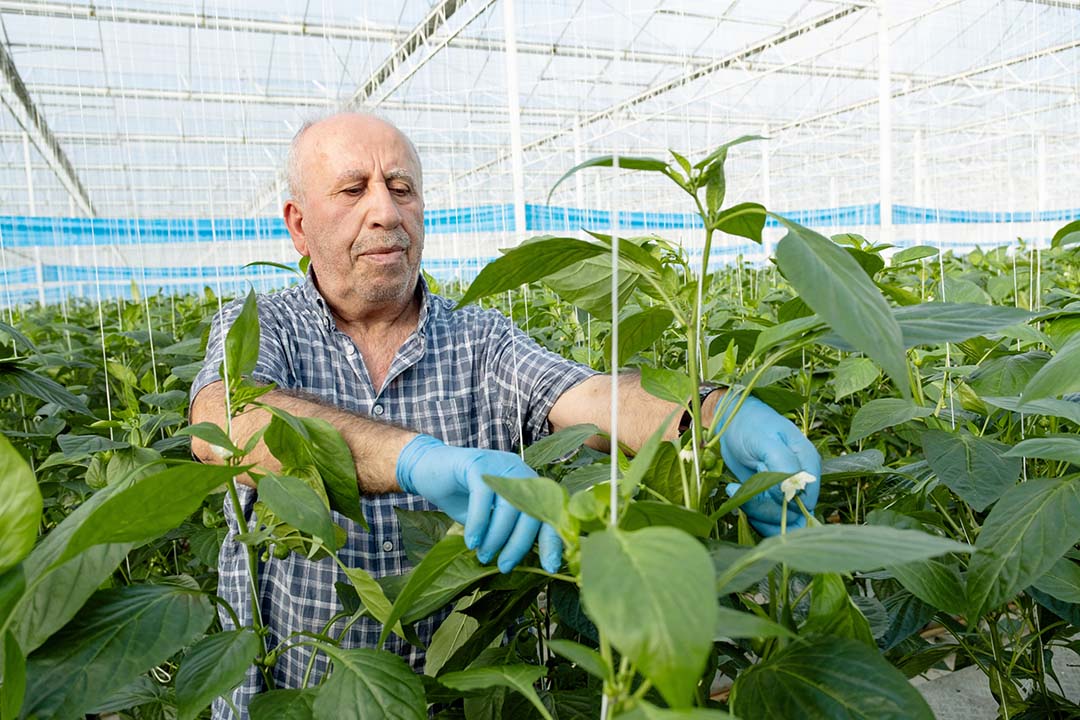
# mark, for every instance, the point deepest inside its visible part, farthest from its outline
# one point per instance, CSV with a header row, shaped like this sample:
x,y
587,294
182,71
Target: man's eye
x,y
403,191
353,191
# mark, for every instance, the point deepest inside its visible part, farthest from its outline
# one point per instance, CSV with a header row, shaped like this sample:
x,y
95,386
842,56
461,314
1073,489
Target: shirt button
x,y
378,410
387,546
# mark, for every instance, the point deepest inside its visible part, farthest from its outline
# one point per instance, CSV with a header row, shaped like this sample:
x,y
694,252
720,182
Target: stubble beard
x,y
392,283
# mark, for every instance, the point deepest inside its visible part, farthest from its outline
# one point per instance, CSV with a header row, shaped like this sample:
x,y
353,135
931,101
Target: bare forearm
x,y
375,446
640,413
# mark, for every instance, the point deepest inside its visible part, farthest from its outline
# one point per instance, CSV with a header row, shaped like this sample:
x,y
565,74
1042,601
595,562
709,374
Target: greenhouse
x,y
491,359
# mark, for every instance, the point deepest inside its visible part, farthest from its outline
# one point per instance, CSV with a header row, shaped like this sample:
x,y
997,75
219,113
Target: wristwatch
x,y
687,417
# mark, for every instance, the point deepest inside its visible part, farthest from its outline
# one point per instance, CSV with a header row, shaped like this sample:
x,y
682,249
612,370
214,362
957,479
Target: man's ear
x,y
294,222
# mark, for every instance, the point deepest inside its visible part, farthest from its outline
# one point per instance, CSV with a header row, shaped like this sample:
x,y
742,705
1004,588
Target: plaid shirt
x,y
467,377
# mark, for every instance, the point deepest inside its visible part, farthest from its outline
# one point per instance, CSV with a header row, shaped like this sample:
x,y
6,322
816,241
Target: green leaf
x,y
14,676
212,434
369,683
642,462
658,625
16,379
284,704
527,263
729,556
627,162
917,252
1061,581
1053,408
213,667
421,530
537,497
978,470
584,657
935,322
647,513
773,336
1007,375
372,595
745,220
932,581
449,637
638,330
883,413
669,385
117,636
833,613
20,507
81,446
723,149
648,711
337,468
519,678
712,177
1063,448
958,290
844,549
559,444
754,485
1028,530
664,476
587,284
242,342
733,624
862,463
18,339
1057,377
1066,235
871,263
434,564
292,500
828,677
853,374
149,507
279,266
830,281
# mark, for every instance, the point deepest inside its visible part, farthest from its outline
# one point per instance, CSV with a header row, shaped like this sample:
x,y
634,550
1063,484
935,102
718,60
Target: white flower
x,y
795,483
221,452
686,455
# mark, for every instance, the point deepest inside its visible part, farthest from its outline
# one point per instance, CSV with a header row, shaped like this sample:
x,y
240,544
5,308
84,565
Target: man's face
x,y
361,212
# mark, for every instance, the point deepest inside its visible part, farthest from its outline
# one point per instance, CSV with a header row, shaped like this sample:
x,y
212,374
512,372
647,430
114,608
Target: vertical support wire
x,y
614,366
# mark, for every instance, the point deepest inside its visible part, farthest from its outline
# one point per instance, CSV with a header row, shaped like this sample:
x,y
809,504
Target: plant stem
x,y
253,572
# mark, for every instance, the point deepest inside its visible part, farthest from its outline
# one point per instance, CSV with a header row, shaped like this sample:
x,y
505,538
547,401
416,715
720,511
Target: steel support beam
x,y
15,96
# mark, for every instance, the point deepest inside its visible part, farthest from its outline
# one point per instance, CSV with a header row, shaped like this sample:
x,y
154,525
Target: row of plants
x,y
936,388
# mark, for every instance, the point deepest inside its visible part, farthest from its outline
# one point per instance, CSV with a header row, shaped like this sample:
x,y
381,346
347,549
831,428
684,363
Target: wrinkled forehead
x,y
358,144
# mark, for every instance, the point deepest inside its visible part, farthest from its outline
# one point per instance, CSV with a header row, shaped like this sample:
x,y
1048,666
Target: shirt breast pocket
x,y
451,420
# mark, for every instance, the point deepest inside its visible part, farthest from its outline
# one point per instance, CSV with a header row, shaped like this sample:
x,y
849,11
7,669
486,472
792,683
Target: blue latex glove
x,y
453,479
759,439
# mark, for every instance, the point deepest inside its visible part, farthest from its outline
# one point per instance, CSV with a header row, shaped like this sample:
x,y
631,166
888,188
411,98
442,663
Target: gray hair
x,y
294,171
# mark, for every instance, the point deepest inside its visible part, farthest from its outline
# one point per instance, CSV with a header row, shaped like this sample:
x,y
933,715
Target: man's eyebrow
x,y
401,174
351,176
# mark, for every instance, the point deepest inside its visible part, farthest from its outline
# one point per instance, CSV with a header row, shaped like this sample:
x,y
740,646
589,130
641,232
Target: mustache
x,y
396,239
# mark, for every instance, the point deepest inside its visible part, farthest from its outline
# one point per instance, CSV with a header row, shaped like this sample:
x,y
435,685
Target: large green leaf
x,y
1057,377
647,513
118,635
648,711
212,667
1028,530
638,330
149,508
976,469
537,497
729,556
844,549
242,341
627,162
1063,448
883,413
1050,407
18,379
670,385
1067,235
827,677
367,683
733,624
584,657
292,500
421,530
918,252
664,476
746,220
934,322
1007,375
933,581
372,595
657,624
754,485
20,507
13,674
336,467
773,336
519,678
831,282
559,444
449,637
853,374
284,704
833,613
1061,581
527,263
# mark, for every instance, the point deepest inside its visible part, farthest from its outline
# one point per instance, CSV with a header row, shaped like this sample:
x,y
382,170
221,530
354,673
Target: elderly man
x,y
428,399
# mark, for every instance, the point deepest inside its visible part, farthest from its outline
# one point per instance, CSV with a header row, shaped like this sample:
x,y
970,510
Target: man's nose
x,y
382,211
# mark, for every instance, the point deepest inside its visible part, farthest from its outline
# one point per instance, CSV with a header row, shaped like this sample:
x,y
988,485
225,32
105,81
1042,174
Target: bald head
x,y
347,127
